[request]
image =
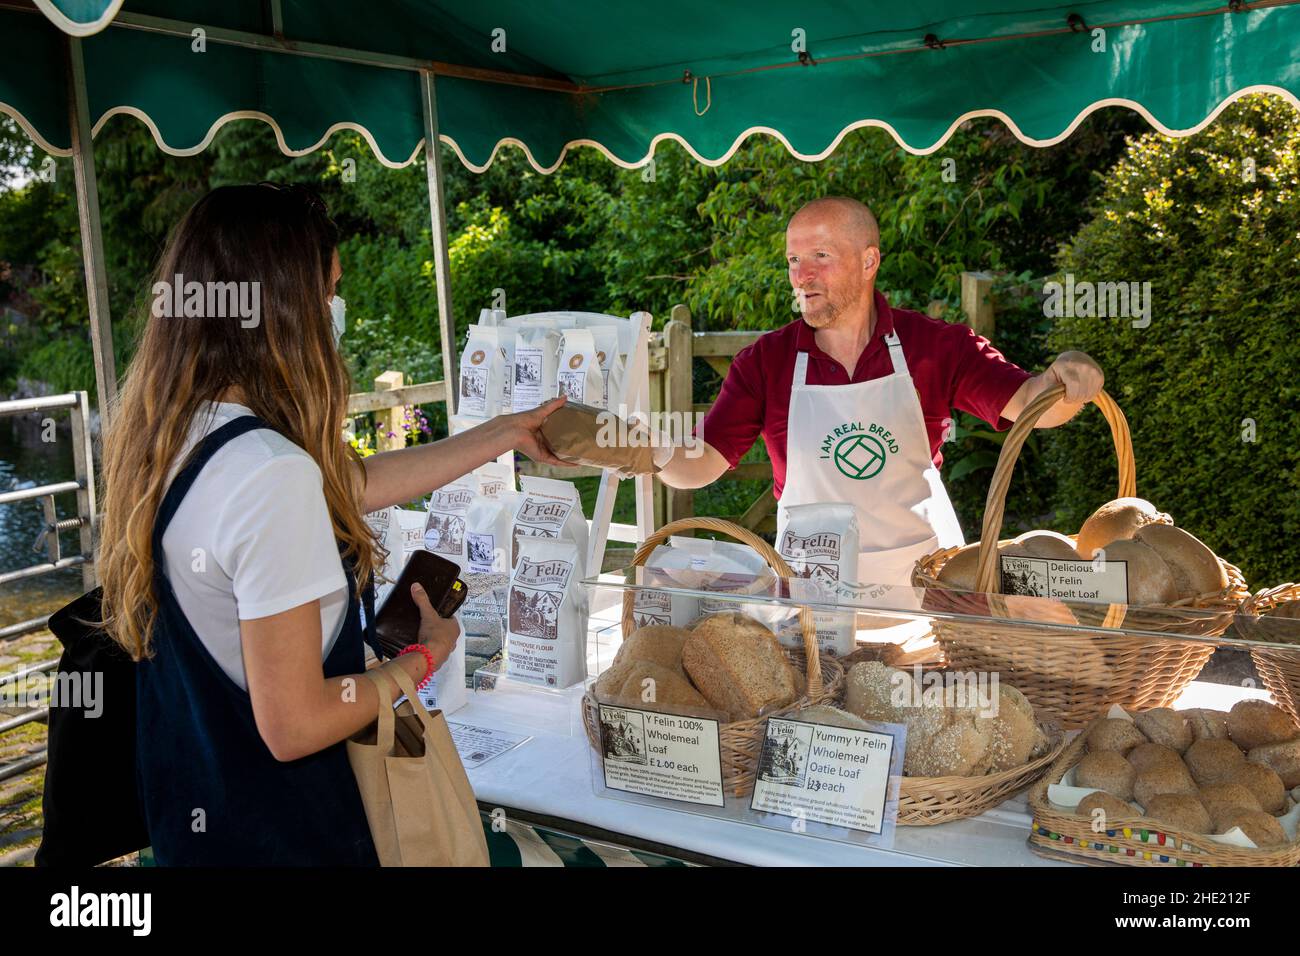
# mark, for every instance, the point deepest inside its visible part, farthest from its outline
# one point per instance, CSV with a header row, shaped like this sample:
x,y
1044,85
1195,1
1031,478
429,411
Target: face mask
x,y
338,310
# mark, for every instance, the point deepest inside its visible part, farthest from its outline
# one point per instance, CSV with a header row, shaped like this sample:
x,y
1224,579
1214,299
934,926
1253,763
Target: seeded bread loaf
x,y
738,665
1115,733
1112,806
1262,829
1265,784
1106,770
1182,811
1223,800
1214,761
1163,725
1147,757
1253,723
1282,758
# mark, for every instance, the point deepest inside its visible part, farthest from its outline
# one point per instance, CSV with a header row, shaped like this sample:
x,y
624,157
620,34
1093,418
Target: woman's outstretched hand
x,y
524,432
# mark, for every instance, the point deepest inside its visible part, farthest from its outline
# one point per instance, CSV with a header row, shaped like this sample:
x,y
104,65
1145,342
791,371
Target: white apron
x,y
866,444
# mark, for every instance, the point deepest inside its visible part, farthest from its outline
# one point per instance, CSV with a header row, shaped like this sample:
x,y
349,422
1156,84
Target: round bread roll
x,y
1106,770
1214,761
1253,723
1150,581
1162,780
1148,757
1282,758
1262,829
1207,724
1165,726
1111,806
1196,570
656,643
1014,731
1225,799
1115,733
1041,544
612,678
1265,784
1114,521
874,691
1181,811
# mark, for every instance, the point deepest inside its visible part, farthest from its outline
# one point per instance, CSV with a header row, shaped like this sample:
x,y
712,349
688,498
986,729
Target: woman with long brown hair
x,y
234,556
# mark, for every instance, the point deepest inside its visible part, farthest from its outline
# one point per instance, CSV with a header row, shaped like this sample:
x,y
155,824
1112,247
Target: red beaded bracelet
x,y
420,649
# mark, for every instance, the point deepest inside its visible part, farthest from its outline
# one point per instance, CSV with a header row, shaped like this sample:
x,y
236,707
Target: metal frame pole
x,y
438,224
92,237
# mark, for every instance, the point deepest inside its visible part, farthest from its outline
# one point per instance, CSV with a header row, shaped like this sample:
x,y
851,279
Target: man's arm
x,y
1083,380
693,468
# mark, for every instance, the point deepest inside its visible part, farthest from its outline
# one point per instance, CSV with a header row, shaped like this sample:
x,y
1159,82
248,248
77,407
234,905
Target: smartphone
x,y
397,622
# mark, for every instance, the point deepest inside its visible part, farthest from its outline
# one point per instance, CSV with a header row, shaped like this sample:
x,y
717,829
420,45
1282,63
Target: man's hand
x,y
1081,376
523,432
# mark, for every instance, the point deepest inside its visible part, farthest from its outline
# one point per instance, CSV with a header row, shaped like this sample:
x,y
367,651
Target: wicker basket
x,y
1138,841
1071,676
1279,665
926,801
742,741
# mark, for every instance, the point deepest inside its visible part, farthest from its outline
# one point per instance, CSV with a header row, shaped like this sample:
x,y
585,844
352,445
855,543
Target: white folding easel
x,y
634,395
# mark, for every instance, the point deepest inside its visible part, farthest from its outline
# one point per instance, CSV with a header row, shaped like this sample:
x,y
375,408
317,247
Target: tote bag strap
x,y
384,685
407,685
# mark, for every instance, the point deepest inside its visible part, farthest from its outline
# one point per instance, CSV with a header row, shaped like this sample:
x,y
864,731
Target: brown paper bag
x,y
575,433
418,801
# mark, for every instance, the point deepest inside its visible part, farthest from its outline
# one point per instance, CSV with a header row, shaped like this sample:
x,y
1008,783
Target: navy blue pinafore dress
x,y
211,791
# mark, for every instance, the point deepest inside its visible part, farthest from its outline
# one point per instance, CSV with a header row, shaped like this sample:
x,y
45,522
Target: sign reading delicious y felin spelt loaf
x,y
672,756
833,775
1097,582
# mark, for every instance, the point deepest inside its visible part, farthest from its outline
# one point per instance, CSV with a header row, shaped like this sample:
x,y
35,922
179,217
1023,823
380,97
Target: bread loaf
x,y
658,643
1147,757
1106,770
1207,724
1165,726
958,571
1253,723
1015,732
1195,568
825,714
1182,811
1042,544
1116,520
956,749
1214,761
1150,581
1265,784
654,687
1262,829
1282,758
1115,733
1223,800
1162,780
1112,807
874,691
738,665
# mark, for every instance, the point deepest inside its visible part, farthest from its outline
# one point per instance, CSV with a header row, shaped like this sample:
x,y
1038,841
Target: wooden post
x,y
389,419
976,302
658,402
92,236
679,401
438,228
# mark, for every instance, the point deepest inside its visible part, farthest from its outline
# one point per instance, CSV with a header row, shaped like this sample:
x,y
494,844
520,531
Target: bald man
x,y
853,399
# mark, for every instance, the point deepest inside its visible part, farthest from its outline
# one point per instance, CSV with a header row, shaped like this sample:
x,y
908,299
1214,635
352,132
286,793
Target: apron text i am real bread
x,y
865,444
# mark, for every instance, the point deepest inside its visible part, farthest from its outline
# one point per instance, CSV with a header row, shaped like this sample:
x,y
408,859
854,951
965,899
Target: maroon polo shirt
x,y
951,367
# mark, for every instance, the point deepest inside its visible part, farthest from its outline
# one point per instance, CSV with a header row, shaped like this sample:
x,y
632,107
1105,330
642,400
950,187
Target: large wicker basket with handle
x,y
1067,674
1135,841
1279,663
742,741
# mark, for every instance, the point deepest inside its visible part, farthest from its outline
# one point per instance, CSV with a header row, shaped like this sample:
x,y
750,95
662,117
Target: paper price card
x,y
661,755
833,775
1101,582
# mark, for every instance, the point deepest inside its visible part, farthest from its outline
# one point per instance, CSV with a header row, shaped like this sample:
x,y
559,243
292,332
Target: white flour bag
x,y
389,533
546,638
605,338
495,478
482,370
444,526
447,691
579,377
672,566
486,571
549,508
820,543
536,354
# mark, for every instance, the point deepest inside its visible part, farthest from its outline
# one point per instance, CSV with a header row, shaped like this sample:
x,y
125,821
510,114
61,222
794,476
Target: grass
x,y
21,819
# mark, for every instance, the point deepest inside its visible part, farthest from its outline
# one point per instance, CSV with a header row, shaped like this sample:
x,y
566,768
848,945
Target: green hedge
x,y
1213,223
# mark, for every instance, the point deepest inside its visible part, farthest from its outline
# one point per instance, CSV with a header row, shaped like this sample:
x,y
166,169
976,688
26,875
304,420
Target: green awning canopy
x,y
620,76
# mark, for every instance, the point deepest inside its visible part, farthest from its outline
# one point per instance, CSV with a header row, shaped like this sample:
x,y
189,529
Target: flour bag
x,y
820,544
482,370
549,508
536,354
579,376
673,566
546,638
486,571
444,527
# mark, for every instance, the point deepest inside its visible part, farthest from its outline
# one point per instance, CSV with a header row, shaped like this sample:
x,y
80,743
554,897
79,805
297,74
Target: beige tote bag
x,y
418,801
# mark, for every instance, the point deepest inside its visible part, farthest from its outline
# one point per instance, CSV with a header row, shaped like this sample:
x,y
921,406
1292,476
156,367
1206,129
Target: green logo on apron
x,y
859,457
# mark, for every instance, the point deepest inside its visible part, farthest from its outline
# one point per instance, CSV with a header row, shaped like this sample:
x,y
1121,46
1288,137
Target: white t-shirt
x,y
251,539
